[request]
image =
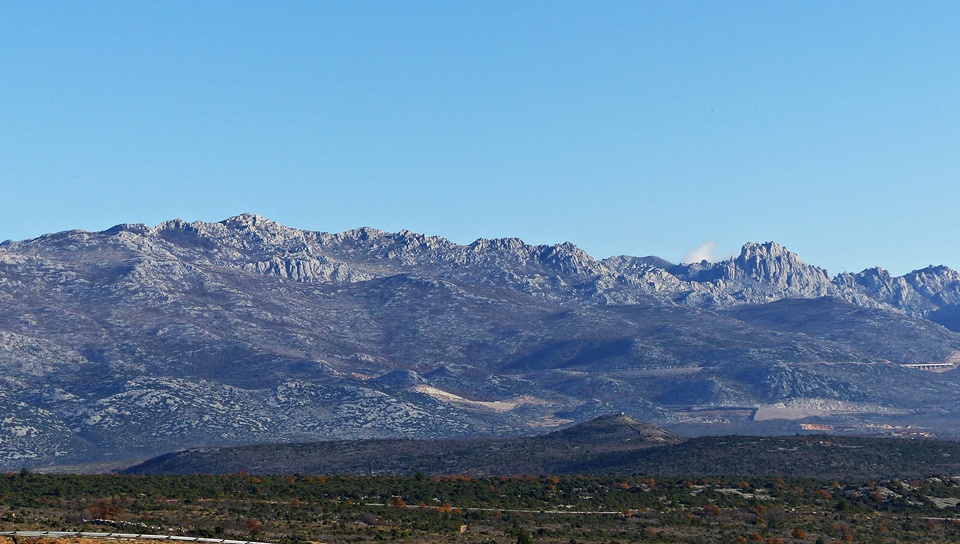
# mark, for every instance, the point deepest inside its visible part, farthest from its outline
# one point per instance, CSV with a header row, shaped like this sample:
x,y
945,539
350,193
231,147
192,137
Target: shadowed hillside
x,y
608,444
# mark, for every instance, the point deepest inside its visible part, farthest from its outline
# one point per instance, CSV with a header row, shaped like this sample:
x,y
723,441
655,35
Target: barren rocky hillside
x,y
138,340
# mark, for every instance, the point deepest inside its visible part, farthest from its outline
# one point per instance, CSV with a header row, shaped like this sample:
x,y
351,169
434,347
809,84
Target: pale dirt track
x,y
32,537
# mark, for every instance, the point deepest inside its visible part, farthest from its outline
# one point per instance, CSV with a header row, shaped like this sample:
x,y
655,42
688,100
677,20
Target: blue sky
x,y
626,128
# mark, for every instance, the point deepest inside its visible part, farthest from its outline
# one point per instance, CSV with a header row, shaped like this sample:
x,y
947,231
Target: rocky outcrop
x,y
761,273
768,272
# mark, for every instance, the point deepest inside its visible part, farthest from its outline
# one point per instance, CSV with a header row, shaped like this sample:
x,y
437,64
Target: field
x,y
420,508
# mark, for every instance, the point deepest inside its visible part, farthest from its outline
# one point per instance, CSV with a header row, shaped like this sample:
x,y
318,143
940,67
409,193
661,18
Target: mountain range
x,y
139,340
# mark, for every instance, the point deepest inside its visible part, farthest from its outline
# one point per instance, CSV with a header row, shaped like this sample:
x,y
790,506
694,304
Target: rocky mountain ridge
x,y
761,273
139,340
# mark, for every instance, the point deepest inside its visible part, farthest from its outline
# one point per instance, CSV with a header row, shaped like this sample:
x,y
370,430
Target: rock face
x,y
140,340
769,272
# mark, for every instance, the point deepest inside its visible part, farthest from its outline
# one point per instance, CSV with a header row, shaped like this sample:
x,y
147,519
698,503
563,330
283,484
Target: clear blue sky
x,y
626,128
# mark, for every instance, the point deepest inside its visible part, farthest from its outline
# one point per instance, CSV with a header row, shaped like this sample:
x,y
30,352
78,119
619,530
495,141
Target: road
x,y
122,536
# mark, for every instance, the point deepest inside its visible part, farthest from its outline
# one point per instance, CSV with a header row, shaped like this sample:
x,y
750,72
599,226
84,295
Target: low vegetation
x,y
566,509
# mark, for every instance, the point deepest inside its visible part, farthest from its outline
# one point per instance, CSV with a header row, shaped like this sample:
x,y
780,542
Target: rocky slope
x,y
139,340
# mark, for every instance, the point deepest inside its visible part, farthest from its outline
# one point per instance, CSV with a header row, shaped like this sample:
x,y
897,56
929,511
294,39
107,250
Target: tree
x,y
105,509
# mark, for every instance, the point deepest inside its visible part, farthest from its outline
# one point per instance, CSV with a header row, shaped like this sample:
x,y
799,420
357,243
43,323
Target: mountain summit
x,y
138,340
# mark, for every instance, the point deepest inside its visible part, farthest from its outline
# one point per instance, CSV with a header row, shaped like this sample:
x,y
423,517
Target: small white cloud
x,y
706,252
